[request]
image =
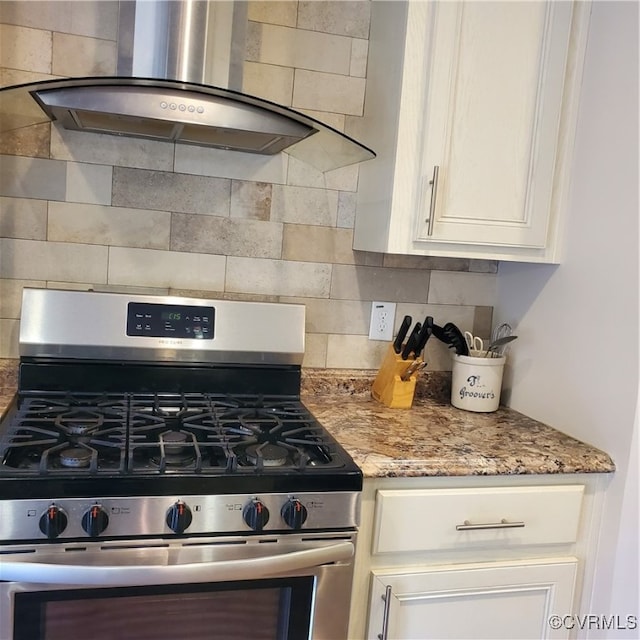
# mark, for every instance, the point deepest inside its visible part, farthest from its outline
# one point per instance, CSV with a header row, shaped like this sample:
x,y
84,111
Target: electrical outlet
x,y
382,316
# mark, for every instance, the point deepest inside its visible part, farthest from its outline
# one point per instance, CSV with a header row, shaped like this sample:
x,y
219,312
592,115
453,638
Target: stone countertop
x,y
430,439
434,438
8,382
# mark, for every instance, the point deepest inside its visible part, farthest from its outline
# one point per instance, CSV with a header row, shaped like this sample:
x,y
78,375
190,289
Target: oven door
x,y
233,588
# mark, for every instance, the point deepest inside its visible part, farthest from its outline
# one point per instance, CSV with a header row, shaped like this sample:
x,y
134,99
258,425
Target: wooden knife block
x,y
388,387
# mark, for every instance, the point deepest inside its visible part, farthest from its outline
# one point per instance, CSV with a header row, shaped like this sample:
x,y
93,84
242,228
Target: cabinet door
x,y
491,122
488,600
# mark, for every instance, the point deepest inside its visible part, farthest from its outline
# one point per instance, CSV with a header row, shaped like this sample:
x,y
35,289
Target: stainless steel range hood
x,y
179,80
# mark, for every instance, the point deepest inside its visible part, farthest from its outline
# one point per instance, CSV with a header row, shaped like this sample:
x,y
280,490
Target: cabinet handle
x,y
432,202
385,615
503,524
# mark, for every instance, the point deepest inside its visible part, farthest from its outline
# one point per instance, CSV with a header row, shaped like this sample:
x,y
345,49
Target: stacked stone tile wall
x,y
82,211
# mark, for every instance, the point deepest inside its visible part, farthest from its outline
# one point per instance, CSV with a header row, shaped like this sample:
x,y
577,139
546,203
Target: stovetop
x,y
166,441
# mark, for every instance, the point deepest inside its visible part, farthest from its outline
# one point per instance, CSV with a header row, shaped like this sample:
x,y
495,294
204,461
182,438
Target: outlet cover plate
x,y
382,317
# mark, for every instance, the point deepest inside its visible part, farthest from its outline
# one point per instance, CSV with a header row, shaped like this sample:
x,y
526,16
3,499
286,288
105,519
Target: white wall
x,y
575,364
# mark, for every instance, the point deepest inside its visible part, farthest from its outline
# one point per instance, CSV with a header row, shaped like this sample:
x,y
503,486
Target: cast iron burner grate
x,y
226,434
177,434
57,433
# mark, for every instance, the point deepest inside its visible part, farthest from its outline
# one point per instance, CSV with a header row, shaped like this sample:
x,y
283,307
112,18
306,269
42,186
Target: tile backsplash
x,y
80,210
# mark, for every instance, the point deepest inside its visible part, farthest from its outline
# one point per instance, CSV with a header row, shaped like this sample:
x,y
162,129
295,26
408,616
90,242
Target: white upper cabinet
x,y
471,107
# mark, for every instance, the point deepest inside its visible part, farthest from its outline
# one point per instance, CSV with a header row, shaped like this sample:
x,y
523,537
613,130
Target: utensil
x,y
424,335
452,337
473,342
402,332
410,345
414,367
501,331
497,346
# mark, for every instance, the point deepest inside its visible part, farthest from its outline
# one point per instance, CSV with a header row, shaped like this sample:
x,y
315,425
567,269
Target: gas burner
x,y
79,423
271,455
167,413
80,429
75,457
176,449
173,440
257,420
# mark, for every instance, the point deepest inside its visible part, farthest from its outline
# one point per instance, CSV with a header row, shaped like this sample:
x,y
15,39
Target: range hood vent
x,y
174,114
163,91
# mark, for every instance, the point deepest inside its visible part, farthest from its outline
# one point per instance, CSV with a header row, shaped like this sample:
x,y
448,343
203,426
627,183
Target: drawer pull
x,y
385,615
503,524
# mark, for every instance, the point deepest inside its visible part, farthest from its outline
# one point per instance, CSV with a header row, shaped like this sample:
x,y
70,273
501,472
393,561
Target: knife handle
x,y
414,367
402,332
424,335
411,342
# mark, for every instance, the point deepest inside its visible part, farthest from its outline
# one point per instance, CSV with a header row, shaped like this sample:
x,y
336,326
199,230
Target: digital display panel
x,y
170,321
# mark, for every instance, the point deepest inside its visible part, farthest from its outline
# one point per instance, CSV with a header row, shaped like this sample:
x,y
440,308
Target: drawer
x,y
437,519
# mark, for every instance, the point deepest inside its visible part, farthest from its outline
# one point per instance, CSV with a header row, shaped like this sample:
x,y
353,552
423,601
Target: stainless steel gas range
x,y
160,477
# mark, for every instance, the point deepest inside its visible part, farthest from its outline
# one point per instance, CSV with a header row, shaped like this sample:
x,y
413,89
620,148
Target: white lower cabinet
x,y
473,558
485,600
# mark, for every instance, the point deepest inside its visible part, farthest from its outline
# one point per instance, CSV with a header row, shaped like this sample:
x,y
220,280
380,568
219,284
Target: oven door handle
x,y
141,574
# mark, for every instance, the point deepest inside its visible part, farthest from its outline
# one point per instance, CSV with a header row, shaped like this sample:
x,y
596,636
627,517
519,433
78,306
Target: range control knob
x,y
95,520
53,522
294,513
179,517
255,514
